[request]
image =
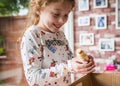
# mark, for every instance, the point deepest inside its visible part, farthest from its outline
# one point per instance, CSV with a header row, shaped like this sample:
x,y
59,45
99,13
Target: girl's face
x,y
54,16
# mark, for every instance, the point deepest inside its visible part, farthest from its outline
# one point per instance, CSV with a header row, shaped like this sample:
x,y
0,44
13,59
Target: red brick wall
x,y
110,32
11,28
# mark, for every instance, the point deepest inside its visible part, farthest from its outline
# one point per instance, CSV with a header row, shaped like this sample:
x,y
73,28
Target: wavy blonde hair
x,y
34,7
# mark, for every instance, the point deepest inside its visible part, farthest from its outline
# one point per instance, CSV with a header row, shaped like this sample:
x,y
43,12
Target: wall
x,y
11,70
110,32
11,28
101,57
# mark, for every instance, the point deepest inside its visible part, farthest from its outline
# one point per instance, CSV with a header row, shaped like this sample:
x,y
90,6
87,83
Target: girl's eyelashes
x,y
59,15
56,14
66,15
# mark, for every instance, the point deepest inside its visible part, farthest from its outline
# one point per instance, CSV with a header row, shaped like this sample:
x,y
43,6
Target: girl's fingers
x,y
80,66
86,69
84,72
91,58
90,68
89,64
83,67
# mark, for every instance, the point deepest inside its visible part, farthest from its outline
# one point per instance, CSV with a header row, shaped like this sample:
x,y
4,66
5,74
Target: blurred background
x,y
81,31
12,21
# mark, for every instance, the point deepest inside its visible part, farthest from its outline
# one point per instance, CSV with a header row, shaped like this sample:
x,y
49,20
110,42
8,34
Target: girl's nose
x,y
62,20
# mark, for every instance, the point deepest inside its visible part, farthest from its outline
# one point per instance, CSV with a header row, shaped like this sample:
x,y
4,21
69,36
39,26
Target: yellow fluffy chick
x,y
80,53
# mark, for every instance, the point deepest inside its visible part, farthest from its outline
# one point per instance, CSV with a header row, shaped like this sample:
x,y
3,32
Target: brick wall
x,y
110,32
11,28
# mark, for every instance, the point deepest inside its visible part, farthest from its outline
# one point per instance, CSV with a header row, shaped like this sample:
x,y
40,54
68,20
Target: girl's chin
x,y
56,29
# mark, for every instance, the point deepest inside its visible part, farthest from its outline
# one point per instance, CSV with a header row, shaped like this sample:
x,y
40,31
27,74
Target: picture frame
x,y
117,14
100,3
84,21
101,21
86,39
106,44
83,5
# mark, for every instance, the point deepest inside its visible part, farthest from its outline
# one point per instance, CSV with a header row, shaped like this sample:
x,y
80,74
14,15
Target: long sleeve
x,y
40,69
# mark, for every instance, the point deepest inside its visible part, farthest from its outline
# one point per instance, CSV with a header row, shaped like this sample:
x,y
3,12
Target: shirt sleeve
x,y
31,53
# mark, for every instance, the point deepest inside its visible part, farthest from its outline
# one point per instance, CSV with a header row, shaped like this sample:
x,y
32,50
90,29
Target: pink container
x,y
110,67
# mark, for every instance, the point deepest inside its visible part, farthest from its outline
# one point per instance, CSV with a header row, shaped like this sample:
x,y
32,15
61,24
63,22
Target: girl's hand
x,y
81,66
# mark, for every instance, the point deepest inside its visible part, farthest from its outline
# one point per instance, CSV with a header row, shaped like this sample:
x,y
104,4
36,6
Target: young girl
x,y
46,56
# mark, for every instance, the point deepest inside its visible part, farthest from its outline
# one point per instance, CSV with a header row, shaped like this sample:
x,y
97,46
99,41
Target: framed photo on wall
x,y
83,5
100,3
101,21
117,14
84,21
106,45
86,39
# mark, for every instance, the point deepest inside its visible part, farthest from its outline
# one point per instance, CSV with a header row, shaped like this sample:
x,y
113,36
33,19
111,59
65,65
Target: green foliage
x,y
1,83
10,7
1,39
2,50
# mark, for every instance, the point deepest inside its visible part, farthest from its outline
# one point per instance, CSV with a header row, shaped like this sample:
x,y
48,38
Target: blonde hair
x,y
34,7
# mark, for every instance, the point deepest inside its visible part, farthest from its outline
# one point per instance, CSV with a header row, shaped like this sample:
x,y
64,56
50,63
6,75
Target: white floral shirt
x,y
46,58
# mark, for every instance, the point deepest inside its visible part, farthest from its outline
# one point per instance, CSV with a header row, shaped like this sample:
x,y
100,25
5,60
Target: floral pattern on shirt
x,y
45,57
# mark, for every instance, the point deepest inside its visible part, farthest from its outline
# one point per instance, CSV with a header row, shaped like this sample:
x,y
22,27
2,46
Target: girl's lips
x,y
57,26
